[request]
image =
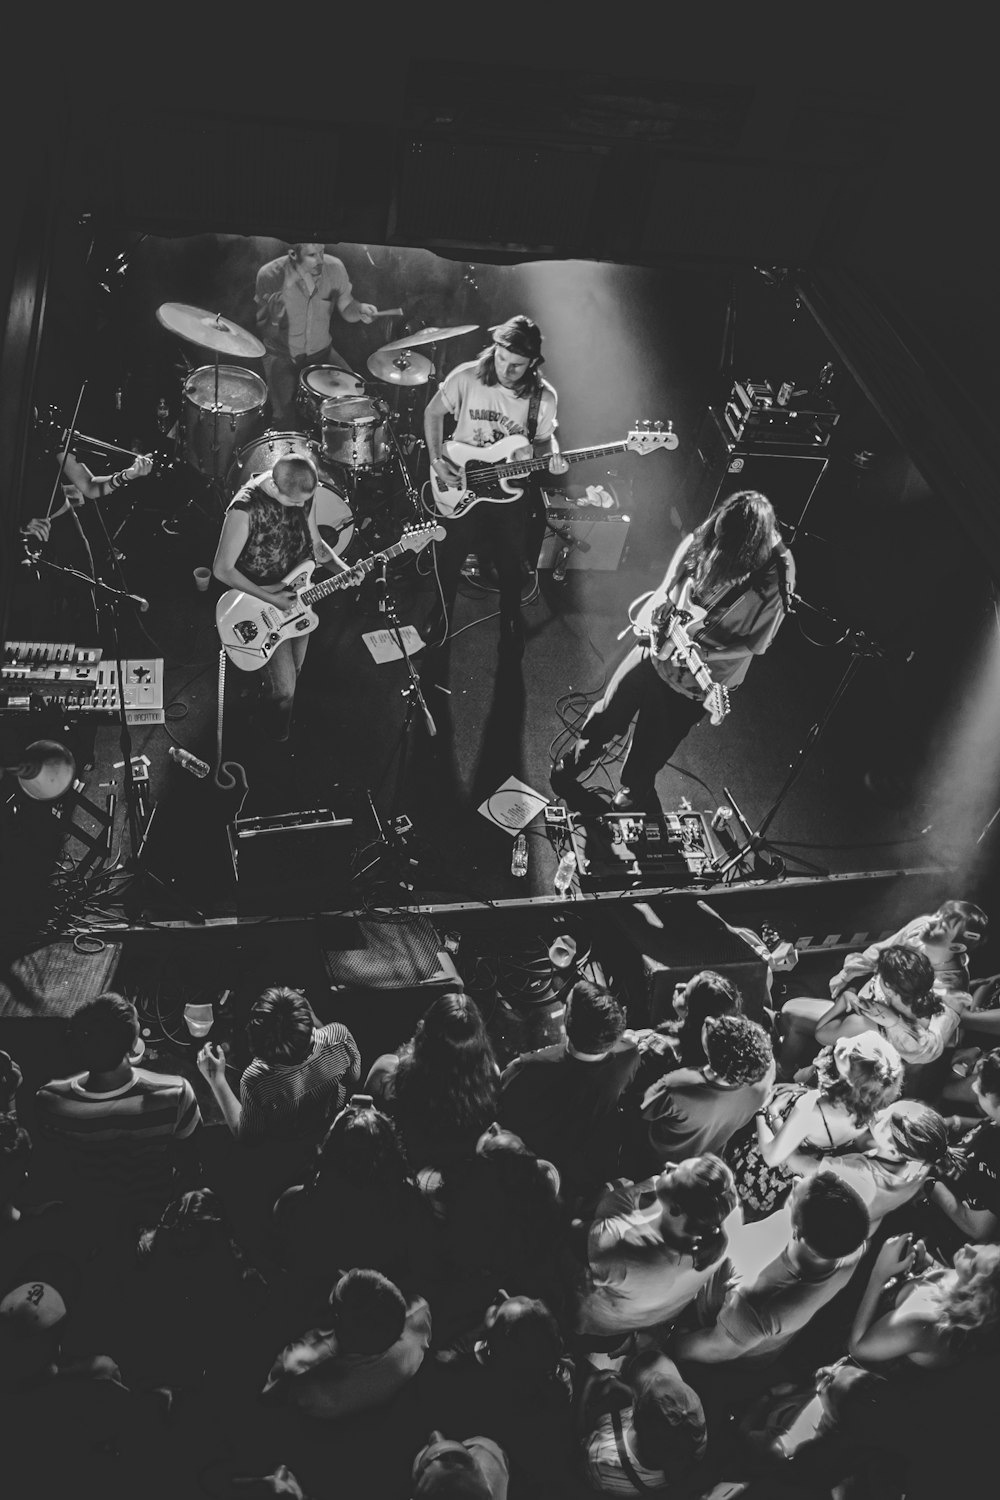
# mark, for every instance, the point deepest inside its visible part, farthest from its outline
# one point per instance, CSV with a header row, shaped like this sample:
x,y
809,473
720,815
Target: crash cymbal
x,y
429,336
400,369
209,330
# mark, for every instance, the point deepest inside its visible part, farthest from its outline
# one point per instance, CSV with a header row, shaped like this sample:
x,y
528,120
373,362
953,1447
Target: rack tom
x,y
352,434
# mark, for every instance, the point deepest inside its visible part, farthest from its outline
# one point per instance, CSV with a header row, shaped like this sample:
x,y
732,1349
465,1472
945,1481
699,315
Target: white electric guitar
x,y
665,626
251,630
491,473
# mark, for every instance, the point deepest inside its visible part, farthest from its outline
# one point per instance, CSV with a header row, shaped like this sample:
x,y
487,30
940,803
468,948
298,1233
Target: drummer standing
x,y
295,297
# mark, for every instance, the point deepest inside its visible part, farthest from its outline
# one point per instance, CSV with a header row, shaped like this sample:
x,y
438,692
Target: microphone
x,y
382,584
140,603
559,571
429,721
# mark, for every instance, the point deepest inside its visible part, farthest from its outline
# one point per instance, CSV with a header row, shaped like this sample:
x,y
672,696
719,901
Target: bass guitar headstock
x,y
646,437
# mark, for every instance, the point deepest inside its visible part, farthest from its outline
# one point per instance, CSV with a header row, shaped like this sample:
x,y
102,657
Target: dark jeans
x,y
498,529
662,719
282,373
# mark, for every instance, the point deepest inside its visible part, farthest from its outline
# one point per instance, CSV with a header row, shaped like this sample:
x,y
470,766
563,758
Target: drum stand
x,y
412,494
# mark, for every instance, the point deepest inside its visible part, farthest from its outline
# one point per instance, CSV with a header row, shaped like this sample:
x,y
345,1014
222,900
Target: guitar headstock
x,y
717,702
644,437
419,537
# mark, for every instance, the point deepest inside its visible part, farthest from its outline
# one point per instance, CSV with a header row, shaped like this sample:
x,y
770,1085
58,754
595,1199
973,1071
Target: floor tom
x,y
222,406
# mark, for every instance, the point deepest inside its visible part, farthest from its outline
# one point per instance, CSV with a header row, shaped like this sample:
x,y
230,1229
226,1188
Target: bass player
x,y
269,528
738,575
499,395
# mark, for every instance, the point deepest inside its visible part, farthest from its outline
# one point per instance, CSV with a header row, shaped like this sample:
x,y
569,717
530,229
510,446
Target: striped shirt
x,y
120,1139
292,1099
604,1469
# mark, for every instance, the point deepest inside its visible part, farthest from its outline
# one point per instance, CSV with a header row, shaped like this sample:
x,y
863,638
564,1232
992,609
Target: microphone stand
x,y
766,853
412,494
119,596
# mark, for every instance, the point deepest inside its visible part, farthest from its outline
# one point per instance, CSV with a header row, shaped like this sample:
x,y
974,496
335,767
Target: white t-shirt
x,y
486,413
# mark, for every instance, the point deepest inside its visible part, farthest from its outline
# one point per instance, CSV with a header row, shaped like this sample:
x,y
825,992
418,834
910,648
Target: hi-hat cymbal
x,y
209,330
429,336
400,369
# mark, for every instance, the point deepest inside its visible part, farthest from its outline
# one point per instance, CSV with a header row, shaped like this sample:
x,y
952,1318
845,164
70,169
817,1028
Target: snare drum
x,y
352,434
334,516
319,383
213,427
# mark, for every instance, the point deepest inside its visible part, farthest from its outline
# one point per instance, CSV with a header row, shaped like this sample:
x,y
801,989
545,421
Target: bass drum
x,y
218,414
334,516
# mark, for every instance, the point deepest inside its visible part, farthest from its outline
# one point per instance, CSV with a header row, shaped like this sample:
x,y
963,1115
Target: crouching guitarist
x,y
499,395
269,528
721,601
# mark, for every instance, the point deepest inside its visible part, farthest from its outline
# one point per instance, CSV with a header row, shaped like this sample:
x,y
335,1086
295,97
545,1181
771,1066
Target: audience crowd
x,y
715,1257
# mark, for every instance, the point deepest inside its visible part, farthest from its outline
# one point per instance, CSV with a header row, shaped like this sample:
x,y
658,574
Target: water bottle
x,y
519,857
565,873
188,761
198,1019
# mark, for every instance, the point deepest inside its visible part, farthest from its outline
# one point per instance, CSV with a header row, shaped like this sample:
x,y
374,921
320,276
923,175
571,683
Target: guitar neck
x,y
339,580
571,455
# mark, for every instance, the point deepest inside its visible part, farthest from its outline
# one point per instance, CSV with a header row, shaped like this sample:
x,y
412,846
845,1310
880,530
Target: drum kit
x,y
347,429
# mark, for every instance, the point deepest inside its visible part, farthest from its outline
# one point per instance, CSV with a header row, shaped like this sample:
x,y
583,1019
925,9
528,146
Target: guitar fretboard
x,y
341,580
529,465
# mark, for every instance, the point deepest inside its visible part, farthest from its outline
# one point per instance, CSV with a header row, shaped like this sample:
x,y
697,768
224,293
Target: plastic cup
x,y
202,578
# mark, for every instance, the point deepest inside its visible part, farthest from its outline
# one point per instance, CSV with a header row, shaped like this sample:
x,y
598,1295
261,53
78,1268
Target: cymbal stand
x,y
767,856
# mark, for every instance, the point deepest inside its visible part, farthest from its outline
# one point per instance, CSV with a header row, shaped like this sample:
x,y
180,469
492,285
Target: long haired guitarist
x,y
270,526
499,395
722,599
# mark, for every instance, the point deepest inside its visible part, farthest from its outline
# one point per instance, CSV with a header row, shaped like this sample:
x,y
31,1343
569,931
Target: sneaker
x,y
628,800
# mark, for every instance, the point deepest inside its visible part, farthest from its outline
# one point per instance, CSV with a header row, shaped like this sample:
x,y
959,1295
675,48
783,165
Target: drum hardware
x,y
212,331
222,403
428,336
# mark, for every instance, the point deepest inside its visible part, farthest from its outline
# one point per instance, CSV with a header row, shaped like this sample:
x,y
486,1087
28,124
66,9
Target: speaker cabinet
x,y
595,540
788,476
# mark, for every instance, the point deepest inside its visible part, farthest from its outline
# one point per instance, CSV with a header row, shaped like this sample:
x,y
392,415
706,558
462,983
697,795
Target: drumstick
x,y
390,312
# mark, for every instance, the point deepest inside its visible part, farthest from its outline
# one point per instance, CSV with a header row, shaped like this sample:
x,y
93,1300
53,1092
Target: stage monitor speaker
x,y
787,476
292,864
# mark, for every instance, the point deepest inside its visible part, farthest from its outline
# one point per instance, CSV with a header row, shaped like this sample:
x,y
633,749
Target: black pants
x,y
496,528
662,719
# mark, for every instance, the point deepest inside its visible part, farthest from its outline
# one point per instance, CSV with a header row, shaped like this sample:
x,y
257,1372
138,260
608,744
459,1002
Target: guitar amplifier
x,y
294,863
618,851
592,537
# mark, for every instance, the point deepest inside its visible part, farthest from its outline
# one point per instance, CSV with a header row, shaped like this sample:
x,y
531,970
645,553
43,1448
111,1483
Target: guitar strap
x,y
533,406
637,1484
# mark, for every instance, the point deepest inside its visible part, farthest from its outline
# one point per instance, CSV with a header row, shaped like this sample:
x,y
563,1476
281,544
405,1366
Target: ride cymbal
x,y
429,336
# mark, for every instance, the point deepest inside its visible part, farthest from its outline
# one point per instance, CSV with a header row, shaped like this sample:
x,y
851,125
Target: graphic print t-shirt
x,y
486,413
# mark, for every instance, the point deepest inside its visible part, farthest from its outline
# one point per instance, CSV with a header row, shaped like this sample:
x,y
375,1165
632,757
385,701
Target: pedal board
x,y
617,851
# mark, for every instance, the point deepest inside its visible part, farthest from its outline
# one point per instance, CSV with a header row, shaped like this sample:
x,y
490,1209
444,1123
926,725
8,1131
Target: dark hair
x,y
280,1026
102,1033
524,1342
670,1436
870,1084
189,1224
829,1216
594,1019
704,1190
295,251
522,337
919,1131
738,1050
447,1074
735,540
361,1147
908,971
711,995
974,919
987,1073
15,1149
296,473
369,1312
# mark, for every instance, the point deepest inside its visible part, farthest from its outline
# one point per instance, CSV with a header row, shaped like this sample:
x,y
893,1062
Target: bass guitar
x,y
491,473
665,626
251,630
